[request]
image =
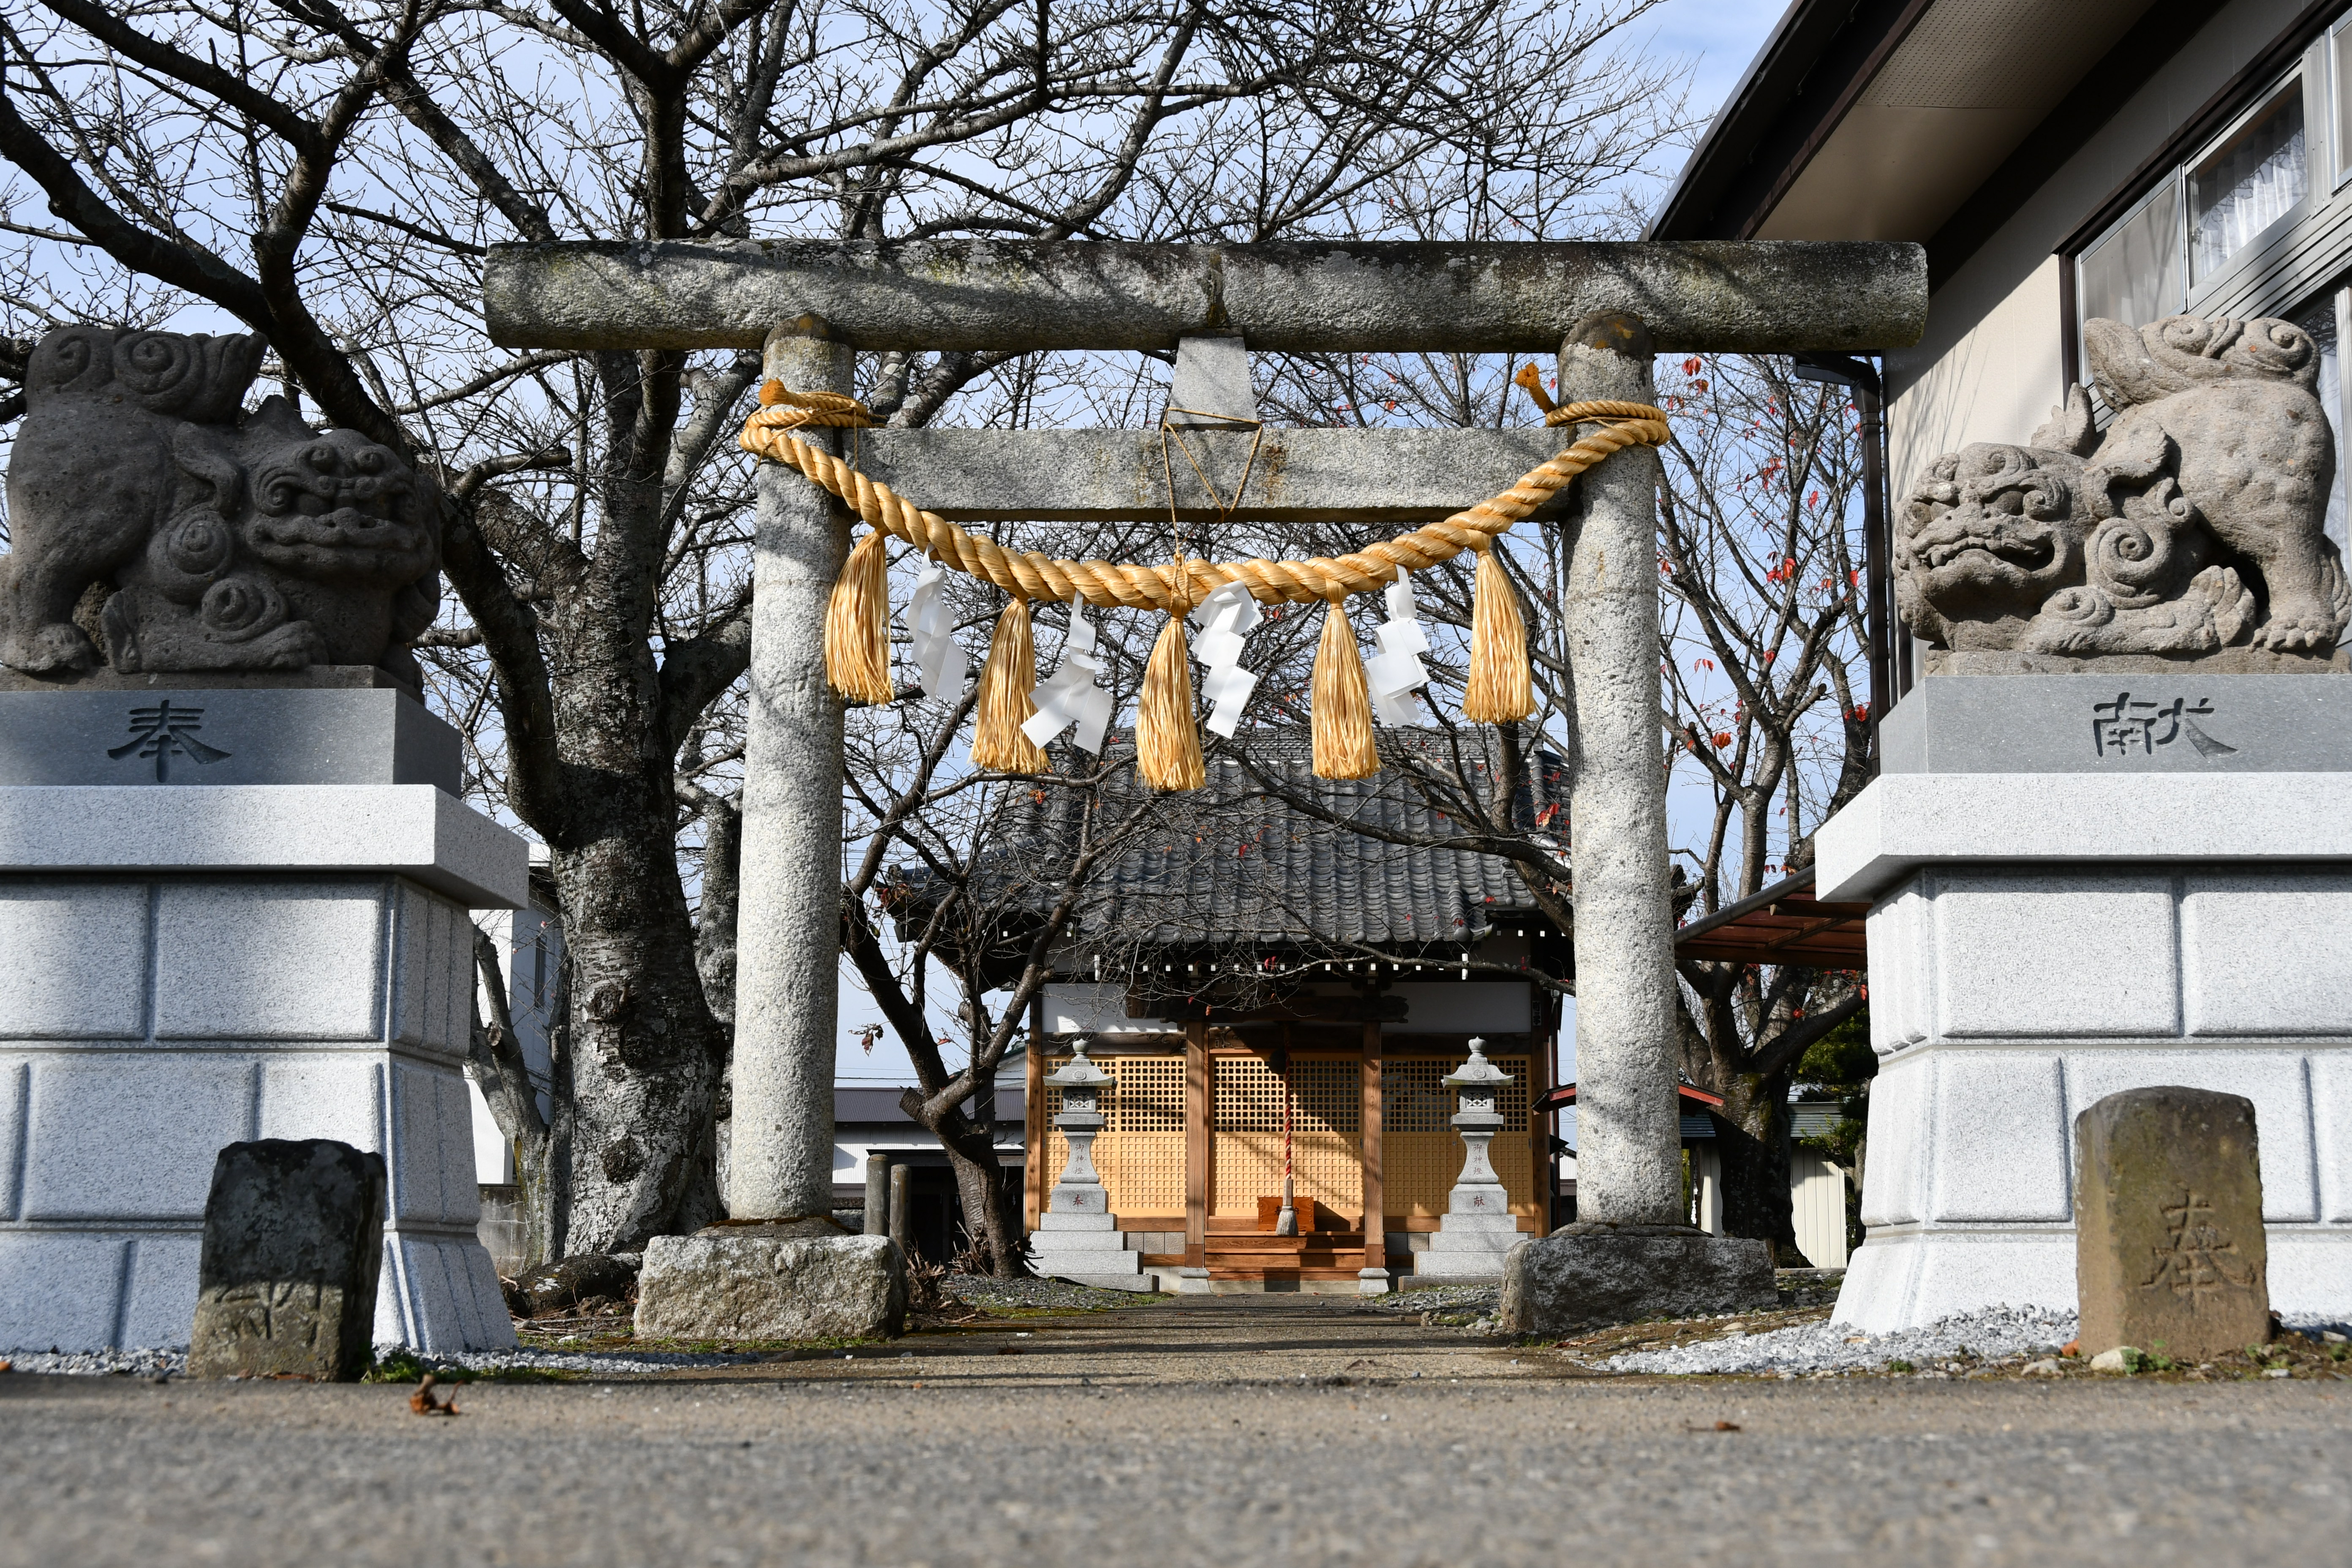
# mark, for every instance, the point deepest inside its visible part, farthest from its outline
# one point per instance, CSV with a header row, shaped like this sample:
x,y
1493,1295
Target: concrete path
x,y
1216,1431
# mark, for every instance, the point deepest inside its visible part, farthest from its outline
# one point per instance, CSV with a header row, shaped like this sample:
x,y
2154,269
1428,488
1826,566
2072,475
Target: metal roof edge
x,y
1786,59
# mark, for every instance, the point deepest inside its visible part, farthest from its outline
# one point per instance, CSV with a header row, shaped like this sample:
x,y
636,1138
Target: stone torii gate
x,y
1603,309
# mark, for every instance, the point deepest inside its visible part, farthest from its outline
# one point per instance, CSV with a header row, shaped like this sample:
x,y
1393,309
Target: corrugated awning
x,y
1782,924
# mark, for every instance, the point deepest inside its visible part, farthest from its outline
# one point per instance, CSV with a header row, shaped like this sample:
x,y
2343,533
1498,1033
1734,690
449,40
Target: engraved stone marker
x,y
293,1240
2168,1203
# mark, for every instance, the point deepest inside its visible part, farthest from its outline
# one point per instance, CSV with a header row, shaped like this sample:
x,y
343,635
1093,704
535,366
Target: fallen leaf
x,y
1009,1350
424,1404
2071,1347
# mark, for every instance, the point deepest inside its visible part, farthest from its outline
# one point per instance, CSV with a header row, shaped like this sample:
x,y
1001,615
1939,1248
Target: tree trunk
x,y
645,1058
988,1205
1752,1136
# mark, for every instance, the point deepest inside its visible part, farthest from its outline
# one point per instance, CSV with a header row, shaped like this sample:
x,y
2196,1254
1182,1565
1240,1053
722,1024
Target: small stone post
x,y
901,1208
781,1165
2170,1256
1478,1229
293,1243
876,1219
1077,1238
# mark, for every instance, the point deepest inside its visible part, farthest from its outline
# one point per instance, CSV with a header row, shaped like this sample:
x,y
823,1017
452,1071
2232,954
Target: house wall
x,y
531,950
1817,1209
1990,365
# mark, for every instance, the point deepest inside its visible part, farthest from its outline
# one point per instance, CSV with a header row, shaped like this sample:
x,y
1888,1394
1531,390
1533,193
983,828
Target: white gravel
x,y
172,1361
1994,1334
169,1362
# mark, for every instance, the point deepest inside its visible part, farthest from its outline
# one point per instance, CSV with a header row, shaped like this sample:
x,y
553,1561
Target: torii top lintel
x,y
1335,297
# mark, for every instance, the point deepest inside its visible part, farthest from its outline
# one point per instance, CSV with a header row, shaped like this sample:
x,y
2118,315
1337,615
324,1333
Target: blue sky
x,y
1719,37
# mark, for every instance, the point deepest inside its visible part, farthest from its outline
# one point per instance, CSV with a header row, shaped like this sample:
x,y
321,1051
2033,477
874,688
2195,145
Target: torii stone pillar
x,y
787,988
1631,1253
1628,1136
1325,296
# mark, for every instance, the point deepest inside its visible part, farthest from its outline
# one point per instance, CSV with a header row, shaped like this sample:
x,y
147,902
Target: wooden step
x,y
1284,1245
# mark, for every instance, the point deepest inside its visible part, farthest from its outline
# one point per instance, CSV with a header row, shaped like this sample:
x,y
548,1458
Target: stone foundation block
x,y
292,1244
1577,1278
727,1284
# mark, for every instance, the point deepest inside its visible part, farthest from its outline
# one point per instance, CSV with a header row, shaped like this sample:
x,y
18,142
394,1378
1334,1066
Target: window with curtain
x,y
2248,180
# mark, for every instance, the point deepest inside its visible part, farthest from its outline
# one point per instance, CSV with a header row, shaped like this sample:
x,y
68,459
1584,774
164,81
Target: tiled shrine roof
x,y
1268,854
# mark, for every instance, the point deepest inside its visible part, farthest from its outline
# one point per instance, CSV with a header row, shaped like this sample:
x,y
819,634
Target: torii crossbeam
x,y
1604,309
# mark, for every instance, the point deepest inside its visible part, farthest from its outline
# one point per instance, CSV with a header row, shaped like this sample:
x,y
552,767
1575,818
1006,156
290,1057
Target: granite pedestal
x,y
2105,882
189,966
1078,1238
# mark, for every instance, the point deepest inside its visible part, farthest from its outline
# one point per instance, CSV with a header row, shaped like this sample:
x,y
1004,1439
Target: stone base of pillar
x,y
1187,1282
1589,1277
1373,1282
2039,940
755,1282
192,966
1086,1249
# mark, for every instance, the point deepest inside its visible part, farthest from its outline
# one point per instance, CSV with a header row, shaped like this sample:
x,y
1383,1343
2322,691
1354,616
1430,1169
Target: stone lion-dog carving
x,y
2194,523
157,529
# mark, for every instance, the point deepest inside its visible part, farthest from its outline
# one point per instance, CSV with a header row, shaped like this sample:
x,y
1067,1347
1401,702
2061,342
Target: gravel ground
x,y
1040,1295
1186,1434
138,1362
1990,1335
173,1361
1479,1298
1998,1334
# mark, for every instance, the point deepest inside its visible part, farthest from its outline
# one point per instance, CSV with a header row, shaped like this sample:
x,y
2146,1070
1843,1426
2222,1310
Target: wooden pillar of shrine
x,y
1199,1106
1033,1164
1375,1222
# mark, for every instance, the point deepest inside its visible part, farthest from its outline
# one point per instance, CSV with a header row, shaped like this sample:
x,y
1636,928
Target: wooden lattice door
x,y
1326,1134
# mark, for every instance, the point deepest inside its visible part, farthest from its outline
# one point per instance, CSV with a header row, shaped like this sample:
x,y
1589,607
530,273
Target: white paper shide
x,y
1396,670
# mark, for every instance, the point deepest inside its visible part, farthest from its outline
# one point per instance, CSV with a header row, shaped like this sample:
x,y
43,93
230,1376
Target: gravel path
x,y
1196,1433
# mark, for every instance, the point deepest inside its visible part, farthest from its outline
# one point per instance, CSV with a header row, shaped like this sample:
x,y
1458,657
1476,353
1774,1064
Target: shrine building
x,y
1250,961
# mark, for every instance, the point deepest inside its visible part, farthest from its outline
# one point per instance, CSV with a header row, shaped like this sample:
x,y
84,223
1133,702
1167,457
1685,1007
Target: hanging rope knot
x,y
781,408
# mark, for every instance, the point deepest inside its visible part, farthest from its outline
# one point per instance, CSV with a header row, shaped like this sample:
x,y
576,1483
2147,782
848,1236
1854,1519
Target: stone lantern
x,y
1478,1228
1077,1238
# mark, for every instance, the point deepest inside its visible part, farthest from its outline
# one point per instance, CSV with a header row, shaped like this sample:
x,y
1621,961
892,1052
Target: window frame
x,y
2178,184
2314,181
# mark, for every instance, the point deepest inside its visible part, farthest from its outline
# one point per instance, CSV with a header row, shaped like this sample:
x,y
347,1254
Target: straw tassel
x,y
1167,743
858,624
1343,702
1499,690
1005,682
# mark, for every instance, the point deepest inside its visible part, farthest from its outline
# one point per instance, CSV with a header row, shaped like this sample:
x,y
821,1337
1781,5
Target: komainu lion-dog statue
x,y
2196,521
157,528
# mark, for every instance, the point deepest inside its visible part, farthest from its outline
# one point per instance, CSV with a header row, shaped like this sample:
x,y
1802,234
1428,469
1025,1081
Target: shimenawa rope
x,y
1499,689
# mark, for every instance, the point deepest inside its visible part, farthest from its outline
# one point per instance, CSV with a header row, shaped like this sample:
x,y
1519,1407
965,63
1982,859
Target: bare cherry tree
x,y
1767,690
